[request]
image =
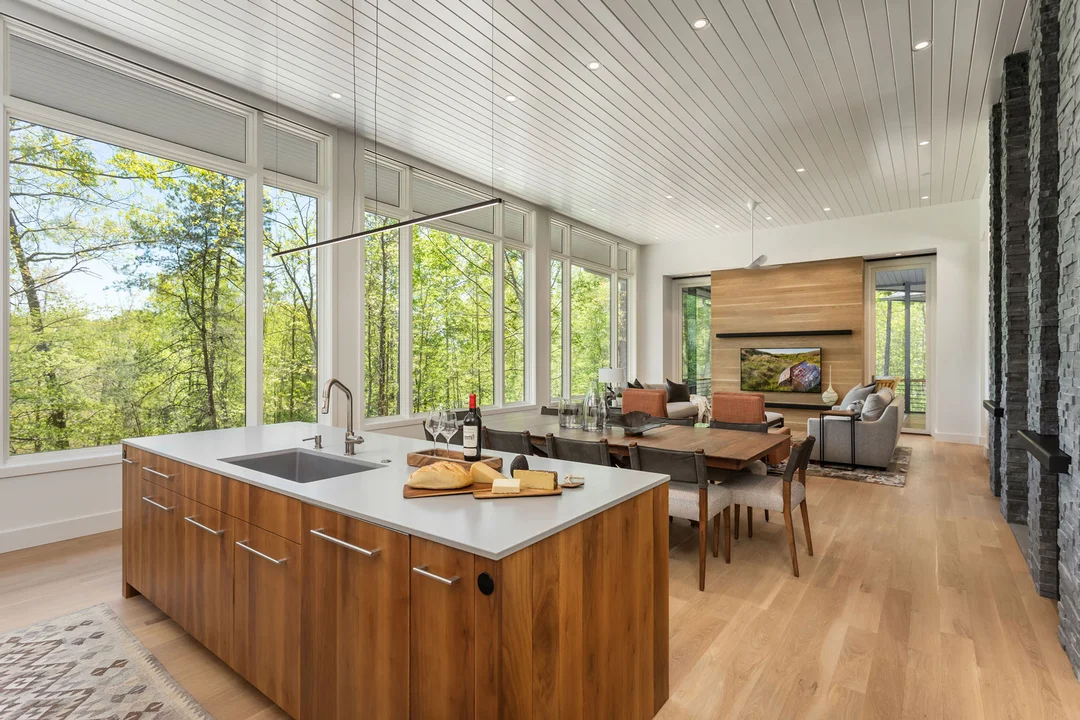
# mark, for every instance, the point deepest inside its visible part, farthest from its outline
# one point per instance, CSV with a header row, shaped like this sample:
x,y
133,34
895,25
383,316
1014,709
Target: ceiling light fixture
x,y
923,143
925,197
594,65
499,168
899,254
760,260
335,95
768,217
716,226
511,98
700,24
669,197
800,169
826,209
922,45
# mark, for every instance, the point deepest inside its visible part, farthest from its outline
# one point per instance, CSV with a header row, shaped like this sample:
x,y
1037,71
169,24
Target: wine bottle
x,y
470,431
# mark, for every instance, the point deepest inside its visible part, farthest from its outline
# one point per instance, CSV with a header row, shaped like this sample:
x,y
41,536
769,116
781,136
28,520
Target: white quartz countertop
x,y
490,528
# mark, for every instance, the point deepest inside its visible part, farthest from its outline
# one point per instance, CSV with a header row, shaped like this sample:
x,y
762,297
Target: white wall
x,y
959,337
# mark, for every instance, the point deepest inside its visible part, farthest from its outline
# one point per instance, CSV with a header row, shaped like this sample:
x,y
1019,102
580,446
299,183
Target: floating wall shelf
x,y
797,406
784,333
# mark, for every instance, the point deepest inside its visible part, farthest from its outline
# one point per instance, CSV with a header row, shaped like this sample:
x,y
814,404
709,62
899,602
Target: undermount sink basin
x,y
300,465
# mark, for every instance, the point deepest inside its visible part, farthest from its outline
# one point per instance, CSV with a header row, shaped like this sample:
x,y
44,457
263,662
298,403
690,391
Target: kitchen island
x,y
339,598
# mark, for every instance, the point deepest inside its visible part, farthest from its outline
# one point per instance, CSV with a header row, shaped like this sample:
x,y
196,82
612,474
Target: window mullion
x,y
567,387
498,361
253,294
405,338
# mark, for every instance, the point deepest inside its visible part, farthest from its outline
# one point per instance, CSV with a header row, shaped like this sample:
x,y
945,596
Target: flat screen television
x,y
796,370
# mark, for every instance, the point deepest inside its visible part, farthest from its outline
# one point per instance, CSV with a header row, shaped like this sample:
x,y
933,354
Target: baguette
x,y
440,476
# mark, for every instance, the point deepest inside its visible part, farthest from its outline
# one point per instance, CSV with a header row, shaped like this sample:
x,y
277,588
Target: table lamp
x,y
613,378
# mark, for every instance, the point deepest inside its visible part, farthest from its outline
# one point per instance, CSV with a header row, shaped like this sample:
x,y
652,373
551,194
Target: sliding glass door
x,y
693,300
900,296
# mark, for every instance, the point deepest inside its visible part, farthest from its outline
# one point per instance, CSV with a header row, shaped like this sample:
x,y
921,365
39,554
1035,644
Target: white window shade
x,y
514,224
431,196
58,80
289,154
382,183
589,248
558,237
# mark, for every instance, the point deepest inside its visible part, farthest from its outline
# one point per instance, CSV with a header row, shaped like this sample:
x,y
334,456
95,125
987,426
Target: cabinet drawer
x,y
161,471
268,510
204,487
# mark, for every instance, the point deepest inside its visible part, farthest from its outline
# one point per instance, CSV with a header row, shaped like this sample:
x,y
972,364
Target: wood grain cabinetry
x,y
333,618
355,631
266,613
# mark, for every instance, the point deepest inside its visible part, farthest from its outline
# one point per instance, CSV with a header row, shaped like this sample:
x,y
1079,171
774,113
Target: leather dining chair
x,y
584,451
508,441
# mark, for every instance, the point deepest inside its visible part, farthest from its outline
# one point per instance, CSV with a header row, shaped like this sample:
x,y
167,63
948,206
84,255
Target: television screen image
x,y
781,369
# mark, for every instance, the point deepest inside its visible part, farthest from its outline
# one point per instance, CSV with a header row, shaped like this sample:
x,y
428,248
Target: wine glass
x,y
433,425
449,424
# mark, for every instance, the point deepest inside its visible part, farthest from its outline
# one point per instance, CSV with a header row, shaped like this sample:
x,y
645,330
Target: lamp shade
x,y
613,376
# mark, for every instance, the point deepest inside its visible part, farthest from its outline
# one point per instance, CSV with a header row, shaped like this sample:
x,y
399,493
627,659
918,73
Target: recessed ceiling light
x,y
716,226
925,197
594,65
511,98
923,143
499,168
700,24
335,95
899,254
768,217
922,45
800,169
669,196
827,209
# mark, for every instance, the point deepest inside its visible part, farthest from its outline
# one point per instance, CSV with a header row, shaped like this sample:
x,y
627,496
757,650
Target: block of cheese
x,y
440,476
486,474
505,486
536,479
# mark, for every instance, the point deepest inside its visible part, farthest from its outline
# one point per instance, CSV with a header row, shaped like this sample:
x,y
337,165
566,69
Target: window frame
x,y
251,172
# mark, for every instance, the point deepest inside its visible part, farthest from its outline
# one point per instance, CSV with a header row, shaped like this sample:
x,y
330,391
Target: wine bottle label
x,y
470,437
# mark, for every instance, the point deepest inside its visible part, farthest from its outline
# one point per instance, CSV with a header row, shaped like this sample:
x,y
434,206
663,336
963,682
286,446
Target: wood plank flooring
x,y
917,604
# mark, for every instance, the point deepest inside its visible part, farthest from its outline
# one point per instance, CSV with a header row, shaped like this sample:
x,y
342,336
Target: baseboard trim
x,y
35,535
957,438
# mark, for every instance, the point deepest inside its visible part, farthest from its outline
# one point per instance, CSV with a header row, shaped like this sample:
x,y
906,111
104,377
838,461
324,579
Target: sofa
x,y
875,440
653,400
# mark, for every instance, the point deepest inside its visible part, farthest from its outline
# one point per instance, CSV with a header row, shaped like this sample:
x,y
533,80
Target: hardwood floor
x,y
916,604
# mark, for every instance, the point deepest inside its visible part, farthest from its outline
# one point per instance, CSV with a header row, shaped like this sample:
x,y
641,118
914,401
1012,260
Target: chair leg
x,y
806,527
716,536
749,522
766,516
736,522
791,541
727,535
703,536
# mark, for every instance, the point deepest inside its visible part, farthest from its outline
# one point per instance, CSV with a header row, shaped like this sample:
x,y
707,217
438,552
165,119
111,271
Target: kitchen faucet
x,y
351,440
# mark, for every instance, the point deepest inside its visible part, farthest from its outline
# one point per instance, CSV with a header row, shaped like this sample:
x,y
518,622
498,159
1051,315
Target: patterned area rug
x,y
87,665
894,476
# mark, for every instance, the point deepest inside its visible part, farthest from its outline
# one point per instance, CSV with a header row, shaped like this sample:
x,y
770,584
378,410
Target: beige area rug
x,y
894,476
87,665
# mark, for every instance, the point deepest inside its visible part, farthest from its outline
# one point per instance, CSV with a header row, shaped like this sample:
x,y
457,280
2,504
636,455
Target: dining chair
x,y
585,451
778,493
545,410
508,441
747,427
701,503
744,407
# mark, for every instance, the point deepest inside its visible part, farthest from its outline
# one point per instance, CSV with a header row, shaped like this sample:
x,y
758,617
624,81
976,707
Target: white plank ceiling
x,y
709,117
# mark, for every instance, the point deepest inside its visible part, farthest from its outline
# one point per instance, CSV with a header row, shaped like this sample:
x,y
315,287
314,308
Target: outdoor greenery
x,y
381,330
889,331
513,325
556,328
590,327
697,339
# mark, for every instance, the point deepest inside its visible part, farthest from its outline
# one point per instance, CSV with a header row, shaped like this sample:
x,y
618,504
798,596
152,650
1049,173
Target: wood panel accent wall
x,y
823,295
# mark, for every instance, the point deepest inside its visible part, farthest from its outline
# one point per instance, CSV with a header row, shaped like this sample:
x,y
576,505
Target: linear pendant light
x,y
394,226
497,201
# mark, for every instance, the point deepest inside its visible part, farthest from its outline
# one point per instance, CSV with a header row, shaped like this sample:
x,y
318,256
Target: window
x,y
590,326
513,325
381,341
453,319
126,309
290,351
623,335
695,332
557,388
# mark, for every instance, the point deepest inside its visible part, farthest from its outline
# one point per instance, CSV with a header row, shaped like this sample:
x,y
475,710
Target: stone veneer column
x,y
996,347
1069,331
1043,351
1015,177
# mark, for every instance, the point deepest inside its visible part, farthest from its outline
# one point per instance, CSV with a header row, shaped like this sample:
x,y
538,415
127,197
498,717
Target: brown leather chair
x,y
653,402
740,407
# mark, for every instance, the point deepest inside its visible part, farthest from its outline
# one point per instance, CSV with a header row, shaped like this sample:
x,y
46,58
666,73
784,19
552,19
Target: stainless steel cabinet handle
x,y
129,461
159,506
198,524
342,543
152,471
264,556
422,570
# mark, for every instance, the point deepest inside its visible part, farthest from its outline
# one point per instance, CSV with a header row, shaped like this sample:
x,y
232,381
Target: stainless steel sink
x,y
300,465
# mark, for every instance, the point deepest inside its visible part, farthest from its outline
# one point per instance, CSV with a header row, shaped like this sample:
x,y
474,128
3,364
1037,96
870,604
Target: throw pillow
x,y
677,392
637,385
856,406
887,394
859,392
874,407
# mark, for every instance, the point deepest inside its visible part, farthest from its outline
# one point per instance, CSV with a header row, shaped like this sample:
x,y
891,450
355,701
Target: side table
x,y
852,418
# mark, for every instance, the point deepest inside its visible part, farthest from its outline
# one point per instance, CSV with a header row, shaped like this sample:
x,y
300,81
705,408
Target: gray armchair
x,y
875,440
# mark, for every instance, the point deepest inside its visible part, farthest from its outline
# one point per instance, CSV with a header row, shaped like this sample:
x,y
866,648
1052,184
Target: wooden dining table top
x,y
726,449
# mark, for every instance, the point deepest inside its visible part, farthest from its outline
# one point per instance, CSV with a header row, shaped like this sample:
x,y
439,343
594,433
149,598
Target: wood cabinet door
x,y
160,556
131,511
207,586
443,631
266,613
355,654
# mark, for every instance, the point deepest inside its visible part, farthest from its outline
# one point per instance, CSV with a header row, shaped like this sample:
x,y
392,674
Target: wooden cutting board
x,y
411,492
427,457
486,494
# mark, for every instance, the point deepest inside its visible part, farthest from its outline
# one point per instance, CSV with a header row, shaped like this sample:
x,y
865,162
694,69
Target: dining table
x,y
724,449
